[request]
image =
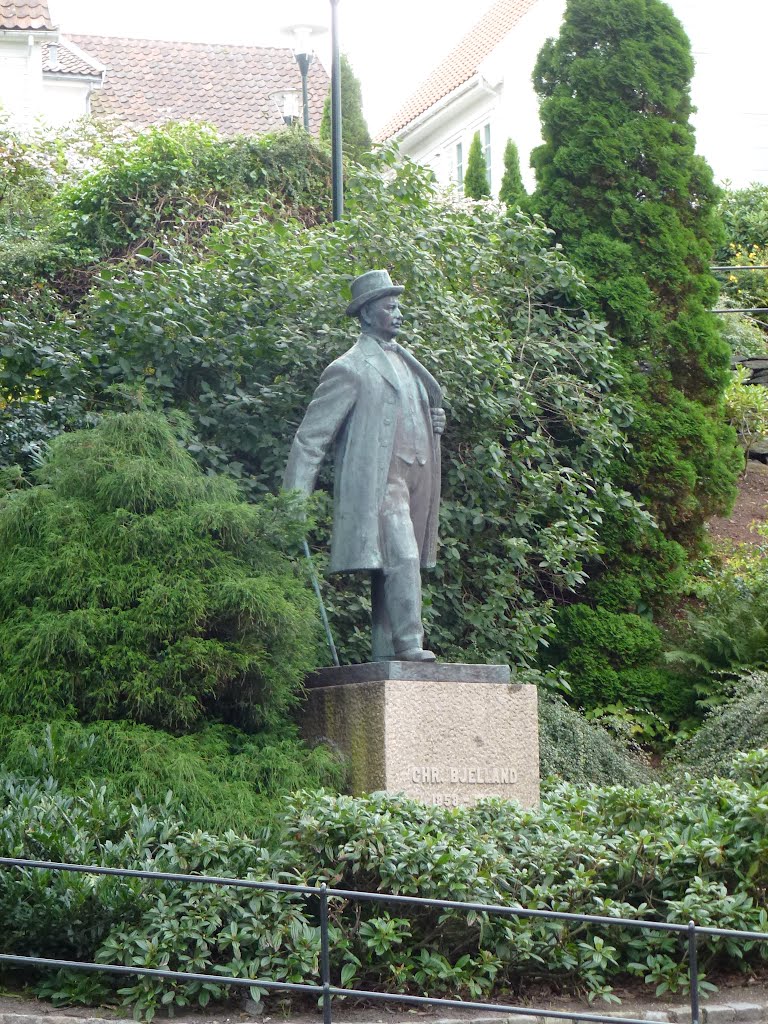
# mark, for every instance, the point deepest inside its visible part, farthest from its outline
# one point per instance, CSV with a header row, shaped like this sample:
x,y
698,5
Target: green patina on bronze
x,y
381,412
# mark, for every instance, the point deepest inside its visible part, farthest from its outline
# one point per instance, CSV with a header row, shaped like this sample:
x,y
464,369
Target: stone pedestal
x,y
444,734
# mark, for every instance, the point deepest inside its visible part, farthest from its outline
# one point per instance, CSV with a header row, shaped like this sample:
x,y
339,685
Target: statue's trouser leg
x,y
381,631
396,610
396,589
402,598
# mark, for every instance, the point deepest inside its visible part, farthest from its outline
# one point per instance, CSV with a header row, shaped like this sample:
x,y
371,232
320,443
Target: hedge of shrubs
x,y
666,853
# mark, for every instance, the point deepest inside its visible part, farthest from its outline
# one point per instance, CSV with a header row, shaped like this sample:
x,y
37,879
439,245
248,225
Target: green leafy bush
x,y
654,853
23,193
616,658
746,407
36,165
183,178
85,197
86,917
132,586
237,333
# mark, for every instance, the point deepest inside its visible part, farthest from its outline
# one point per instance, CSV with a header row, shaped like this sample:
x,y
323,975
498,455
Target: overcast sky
x,y
393,45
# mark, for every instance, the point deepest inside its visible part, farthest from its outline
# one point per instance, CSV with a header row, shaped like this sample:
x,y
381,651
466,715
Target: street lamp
x,y
337,178
302,35
287,103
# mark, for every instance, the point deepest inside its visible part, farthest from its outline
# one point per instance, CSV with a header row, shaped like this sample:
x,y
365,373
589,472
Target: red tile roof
x,y
32,14
150,81
65,58
461,64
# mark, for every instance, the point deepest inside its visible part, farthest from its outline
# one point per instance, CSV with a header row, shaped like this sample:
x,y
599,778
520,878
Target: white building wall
x,y
64,101
21,77
435,141
25,96
500,97
513,61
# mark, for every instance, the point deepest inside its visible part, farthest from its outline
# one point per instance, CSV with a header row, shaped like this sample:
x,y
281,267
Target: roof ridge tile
x,y
460,64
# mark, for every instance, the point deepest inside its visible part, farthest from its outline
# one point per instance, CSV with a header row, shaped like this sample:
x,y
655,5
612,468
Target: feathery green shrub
x,y
476,184
134,587
222,777
575,749
512,190
733,729
611,658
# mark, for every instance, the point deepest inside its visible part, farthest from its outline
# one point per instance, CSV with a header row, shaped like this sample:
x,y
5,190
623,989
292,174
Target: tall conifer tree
x,y
355,137
476,176
635,208
512,191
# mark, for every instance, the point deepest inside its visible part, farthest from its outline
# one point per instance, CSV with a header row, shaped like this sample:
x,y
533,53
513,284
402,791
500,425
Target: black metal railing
x,y
325,989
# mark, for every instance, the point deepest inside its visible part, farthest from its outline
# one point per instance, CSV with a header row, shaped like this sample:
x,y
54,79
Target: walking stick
x,y
323,613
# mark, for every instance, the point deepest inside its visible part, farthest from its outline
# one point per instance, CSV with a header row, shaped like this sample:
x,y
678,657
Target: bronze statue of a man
x,y
382,411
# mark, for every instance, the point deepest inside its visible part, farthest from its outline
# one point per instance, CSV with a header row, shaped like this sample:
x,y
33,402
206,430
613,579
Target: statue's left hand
x,y
438,420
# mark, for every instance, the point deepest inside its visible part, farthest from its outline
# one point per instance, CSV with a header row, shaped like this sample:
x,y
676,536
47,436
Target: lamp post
x,y
337,176
302,35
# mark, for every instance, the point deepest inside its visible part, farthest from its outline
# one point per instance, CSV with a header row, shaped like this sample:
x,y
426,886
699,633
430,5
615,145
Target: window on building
x,y
459,165
487,151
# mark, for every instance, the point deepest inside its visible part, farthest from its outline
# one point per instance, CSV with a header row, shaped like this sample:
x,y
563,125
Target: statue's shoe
x,y
415,654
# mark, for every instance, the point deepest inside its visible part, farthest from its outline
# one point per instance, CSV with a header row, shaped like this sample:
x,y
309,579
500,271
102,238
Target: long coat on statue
x,y
356,407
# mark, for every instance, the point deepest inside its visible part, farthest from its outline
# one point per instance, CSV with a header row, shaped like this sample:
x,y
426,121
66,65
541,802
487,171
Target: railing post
x,y
325,958
693,972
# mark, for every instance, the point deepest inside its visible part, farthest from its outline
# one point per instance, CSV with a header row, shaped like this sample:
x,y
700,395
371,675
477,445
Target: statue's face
x,y
382,318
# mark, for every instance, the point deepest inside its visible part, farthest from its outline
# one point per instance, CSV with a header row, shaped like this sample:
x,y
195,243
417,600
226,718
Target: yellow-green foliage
x,y
133,586
748,288
221,777
746,406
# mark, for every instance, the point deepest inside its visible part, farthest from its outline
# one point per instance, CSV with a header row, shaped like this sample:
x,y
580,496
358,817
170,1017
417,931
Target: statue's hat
x,y
373,285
